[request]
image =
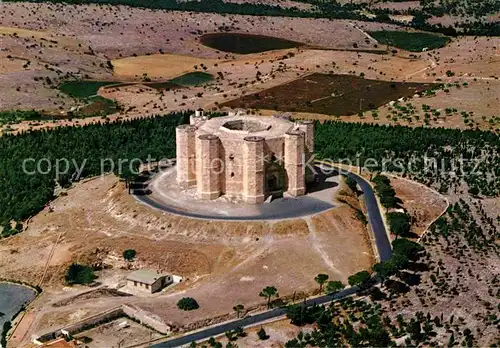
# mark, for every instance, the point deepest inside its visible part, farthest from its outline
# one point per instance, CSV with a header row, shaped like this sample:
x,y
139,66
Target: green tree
x,y
334,286
399,223
351,183
79,274
238,308
409,249
360,279
187,304
268,292
6,327
321,280
262,334
213,343
129,254
384,269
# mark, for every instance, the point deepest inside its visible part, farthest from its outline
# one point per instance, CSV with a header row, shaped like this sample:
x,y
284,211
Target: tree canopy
x,y
79,274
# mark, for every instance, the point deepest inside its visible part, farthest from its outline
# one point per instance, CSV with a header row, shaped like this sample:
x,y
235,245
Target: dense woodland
x,y
431,156
473,10
24,195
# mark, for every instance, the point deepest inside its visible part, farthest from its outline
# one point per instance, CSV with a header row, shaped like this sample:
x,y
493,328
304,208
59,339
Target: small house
x,y
148,280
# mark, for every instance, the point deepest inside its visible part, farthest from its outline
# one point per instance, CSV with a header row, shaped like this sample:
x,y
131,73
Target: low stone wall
x,y
143,317
82,325
146,318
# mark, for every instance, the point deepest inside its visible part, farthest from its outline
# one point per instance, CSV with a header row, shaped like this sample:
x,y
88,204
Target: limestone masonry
x,y
244,157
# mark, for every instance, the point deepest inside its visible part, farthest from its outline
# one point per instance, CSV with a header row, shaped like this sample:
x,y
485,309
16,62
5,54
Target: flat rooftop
x,y
241,125
145,276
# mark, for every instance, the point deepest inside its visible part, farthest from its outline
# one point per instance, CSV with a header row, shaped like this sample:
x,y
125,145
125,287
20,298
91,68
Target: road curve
x,y
384,250
375,218
247,321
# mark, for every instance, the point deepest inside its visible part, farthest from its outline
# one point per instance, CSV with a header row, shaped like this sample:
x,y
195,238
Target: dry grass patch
x,y
158,66
422,203
290,227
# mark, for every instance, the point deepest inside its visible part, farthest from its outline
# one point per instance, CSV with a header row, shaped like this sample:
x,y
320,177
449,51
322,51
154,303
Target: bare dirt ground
x,y
112,335
223,263
35,48
279,332
423,204
62,46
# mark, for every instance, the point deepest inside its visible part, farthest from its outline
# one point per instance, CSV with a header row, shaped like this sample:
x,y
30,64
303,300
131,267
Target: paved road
x,y
384,250
280,209
294,208
250,320
375,218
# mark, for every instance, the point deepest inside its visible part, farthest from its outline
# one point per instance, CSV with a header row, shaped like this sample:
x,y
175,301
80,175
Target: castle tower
x,y
307,126
294,162
186,155
253,169
198,118
208,166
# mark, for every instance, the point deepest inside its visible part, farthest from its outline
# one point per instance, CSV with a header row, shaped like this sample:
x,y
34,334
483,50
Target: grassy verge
x,y
410,41
15,116
192,79
82,89
86,92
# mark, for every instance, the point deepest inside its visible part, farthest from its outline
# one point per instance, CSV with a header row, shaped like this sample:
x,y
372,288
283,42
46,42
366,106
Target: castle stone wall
x,y
186,155
253,170
230,156
294,162
208,166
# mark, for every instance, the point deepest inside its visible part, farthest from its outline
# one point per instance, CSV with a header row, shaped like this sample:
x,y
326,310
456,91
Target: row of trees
x,y
323,9
93,149
29,161
385,192
444,158
16,116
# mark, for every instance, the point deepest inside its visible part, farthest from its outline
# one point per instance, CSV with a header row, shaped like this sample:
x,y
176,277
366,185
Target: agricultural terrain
x,y
406,93
40,57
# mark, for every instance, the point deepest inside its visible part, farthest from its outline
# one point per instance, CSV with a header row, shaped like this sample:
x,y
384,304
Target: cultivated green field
x,y
196,78
81,89
15,116
410,41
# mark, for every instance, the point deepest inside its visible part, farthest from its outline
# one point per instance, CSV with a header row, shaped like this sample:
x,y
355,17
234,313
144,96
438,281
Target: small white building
x,y
148,280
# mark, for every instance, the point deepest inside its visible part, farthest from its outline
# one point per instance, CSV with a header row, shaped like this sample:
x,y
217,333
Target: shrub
x,y
334,286
399,223
79,274
187,304
6,327
129,254
360,279
262,334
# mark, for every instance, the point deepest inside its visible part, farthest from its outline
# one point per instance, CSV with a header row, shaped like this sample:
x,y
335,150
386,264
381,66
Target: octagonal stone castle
x,y
243,157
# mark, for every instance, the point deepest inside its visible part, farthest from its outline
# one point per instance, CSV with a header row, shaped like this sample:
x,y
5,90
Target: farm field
x,y
354,66
330,95
410,41
246,43
145,60
222,262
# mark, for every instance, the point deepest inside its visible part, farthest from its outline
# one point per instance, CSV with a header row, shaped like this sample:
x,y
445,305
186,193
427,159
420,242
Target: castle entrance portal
x,y
275,179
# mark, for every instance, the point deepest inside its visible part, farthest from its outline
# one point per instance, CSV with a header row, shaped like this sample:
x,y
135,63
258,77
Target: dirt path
x,y
318,247
50,258
432,66
363,32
